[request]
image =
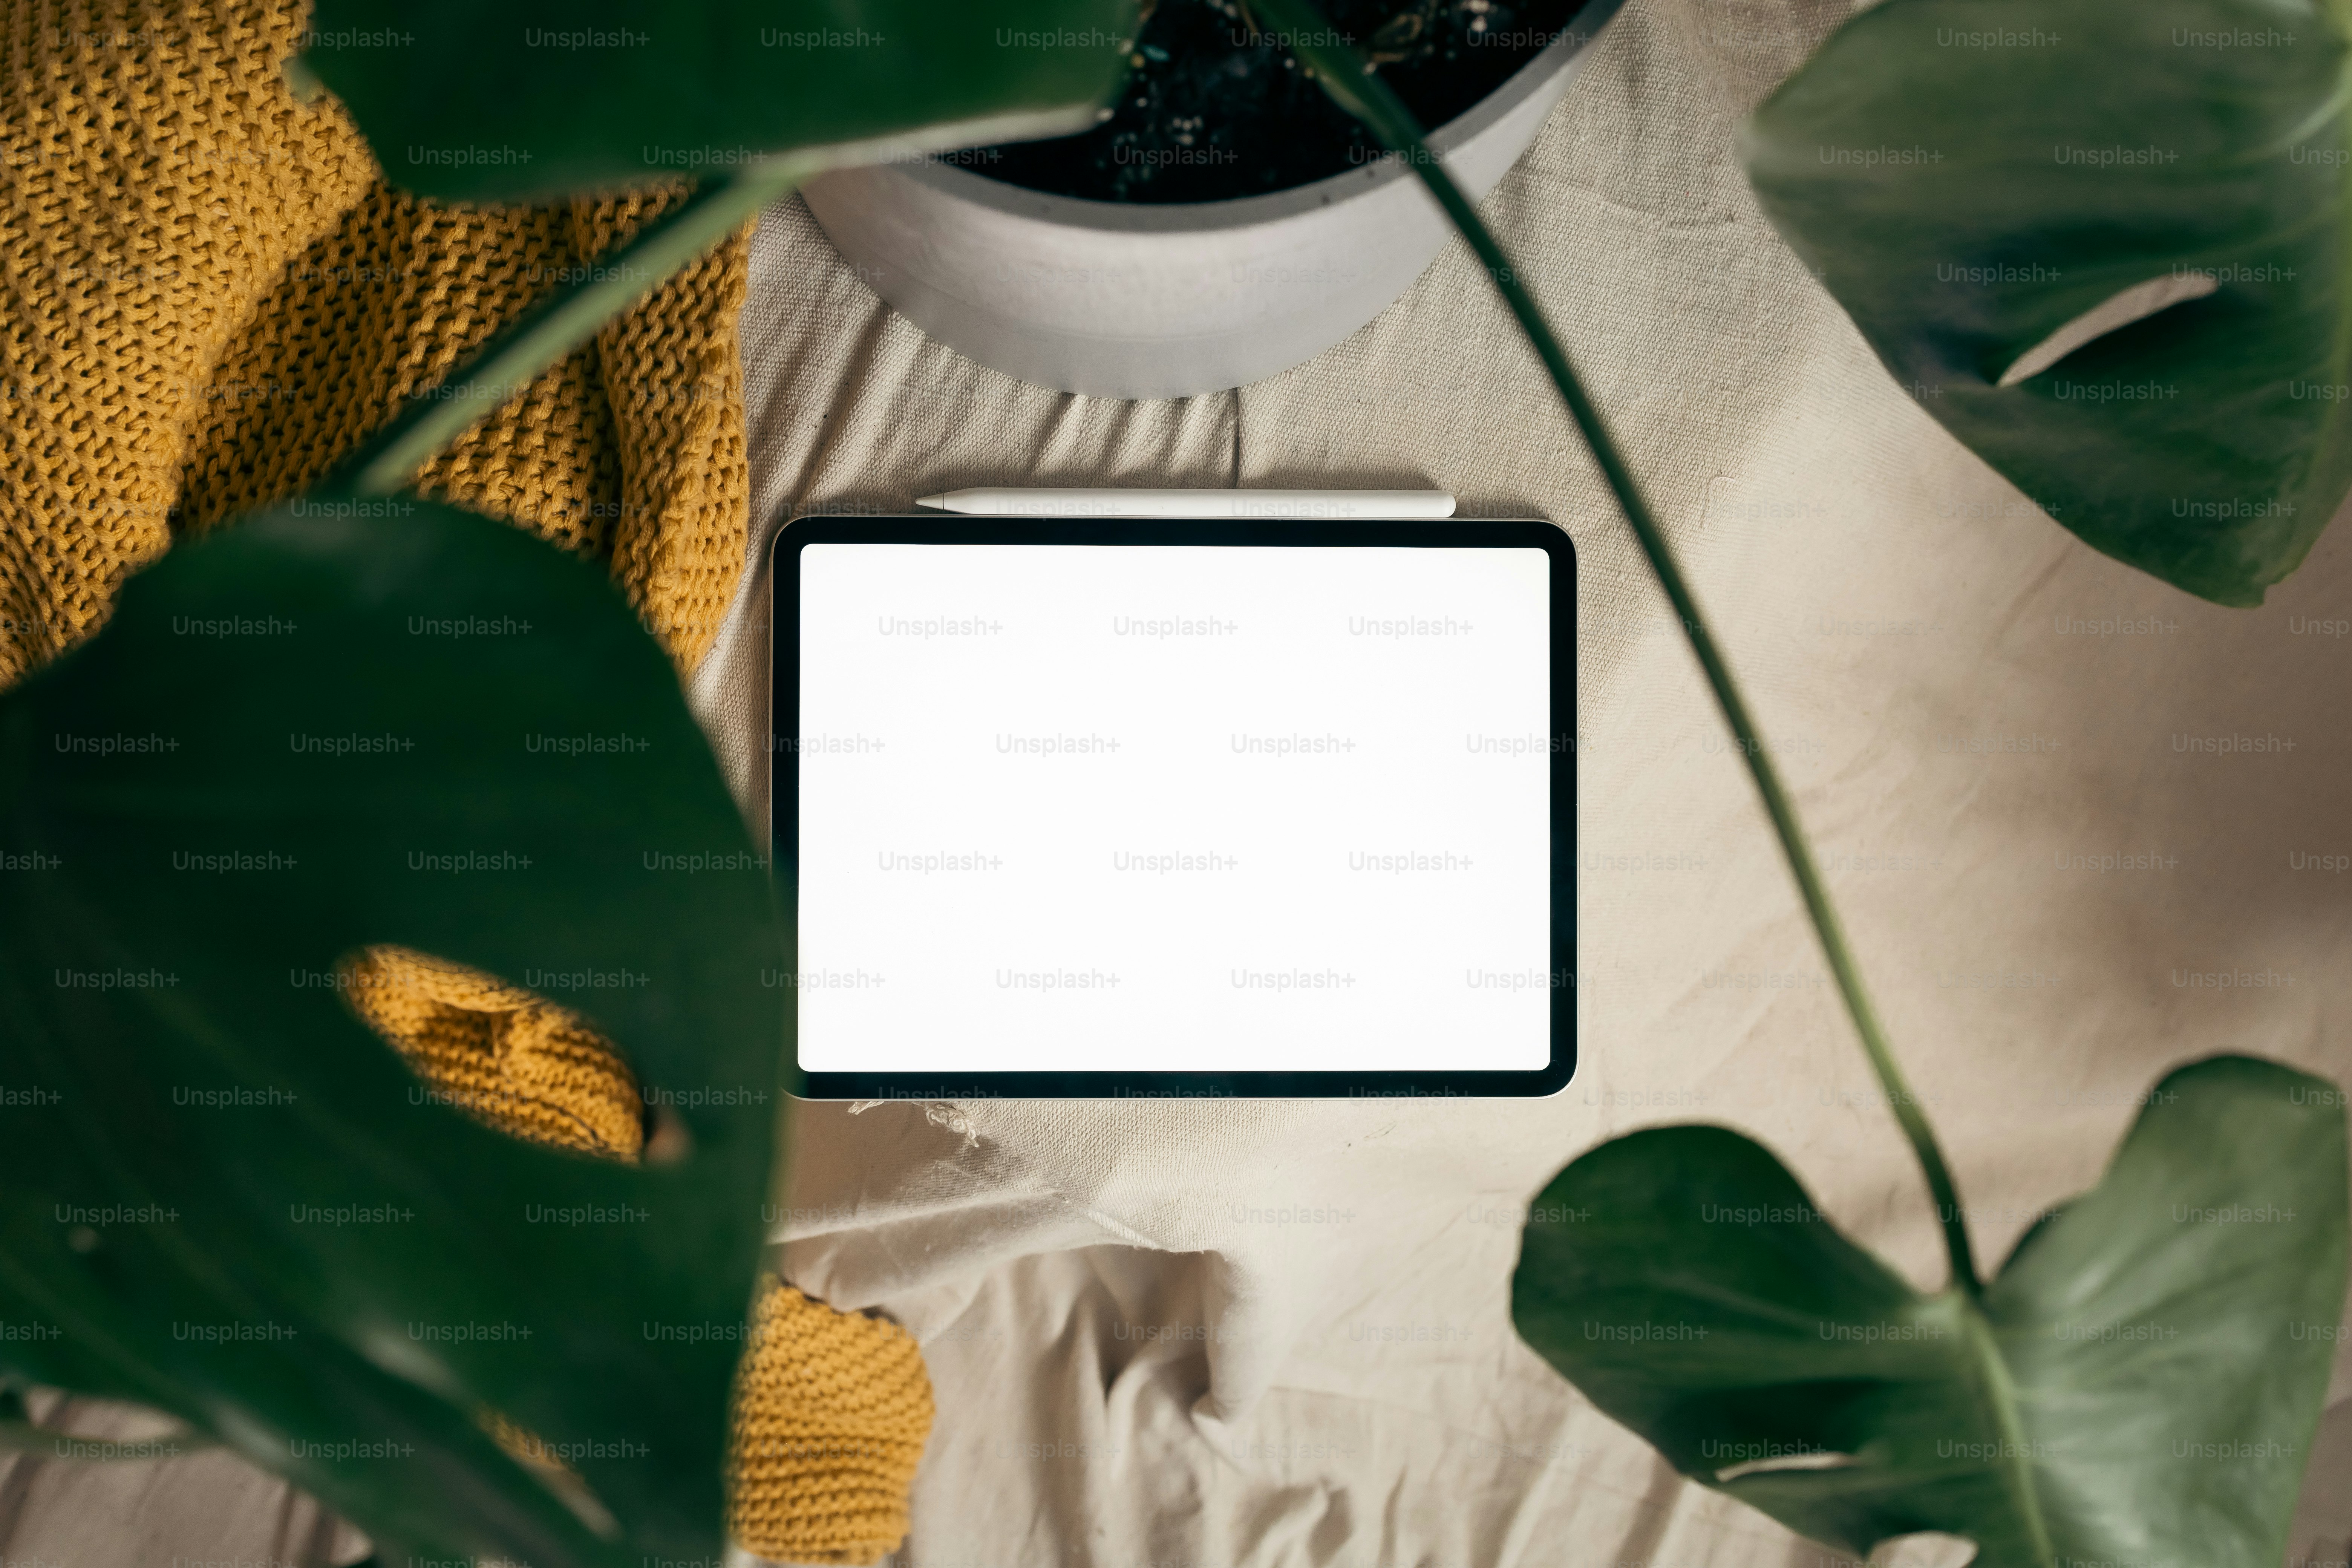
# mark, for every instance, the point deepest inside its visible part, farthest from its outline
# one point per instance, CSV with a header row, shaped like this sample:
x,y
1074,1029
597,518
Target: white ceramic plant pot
x,y
1136,300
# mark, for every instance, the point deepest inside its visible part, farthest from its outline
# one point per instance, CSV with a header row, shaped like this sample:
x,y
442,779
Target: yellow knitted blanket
x,y
211,295
831,1409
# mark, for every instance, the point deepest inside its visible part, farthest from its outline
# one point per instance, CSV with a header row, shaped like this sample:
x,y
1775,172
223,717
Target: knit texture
x,y
630,450
386,303
542,1460
160,178
831,1414
500,1052
832,1409
214,296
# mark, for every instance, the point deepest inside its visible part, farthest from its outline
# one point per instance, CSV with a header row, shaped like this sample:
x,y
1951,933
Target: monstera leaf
x,y
516,100
1968,177
2139,1384
220,1195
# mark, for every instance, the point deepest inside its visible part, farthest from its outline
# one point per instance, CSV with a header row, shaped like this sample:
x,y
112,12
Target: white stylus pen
x,y
1339,505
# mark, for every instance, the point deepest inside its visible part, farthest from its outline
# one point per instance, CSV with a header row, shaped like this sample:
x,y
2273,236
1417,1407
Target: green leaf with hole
x,y
2139,1384
494,101
220,1194
1968,177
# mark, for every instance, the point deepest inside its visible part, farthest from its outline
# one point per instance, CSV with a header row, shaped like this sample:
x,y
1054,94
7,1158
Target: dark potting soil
x,y
1215,107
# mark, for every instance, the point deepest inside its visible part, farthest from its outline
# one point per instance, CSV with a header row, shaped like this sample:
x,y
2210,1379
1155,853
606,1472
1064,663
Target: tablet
x,y
1118,808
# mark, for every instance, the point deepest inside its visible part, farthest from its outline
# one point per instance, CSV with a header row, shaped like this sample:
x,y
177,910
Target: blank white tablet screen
x,y
1147,808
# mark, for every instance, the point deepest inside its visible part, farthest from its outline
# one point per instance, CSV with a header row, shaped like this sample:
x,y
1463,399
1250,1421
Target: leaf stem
x,y
542,335
1363,93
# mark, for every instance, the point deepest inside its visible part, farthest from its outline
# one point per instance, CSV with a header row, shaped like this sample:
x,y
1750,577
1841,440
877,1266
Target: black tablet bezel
x,y
784,795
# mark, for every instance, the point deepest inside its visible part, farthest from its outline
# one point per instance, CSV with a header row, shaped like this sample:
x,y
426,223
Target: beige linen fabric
x,y
79,1502
1220,1335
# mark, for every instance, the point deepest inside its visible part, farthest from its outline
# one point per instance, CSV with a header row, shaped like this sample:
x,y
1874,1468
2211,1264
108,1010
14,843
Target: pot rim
x,y
1245,212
